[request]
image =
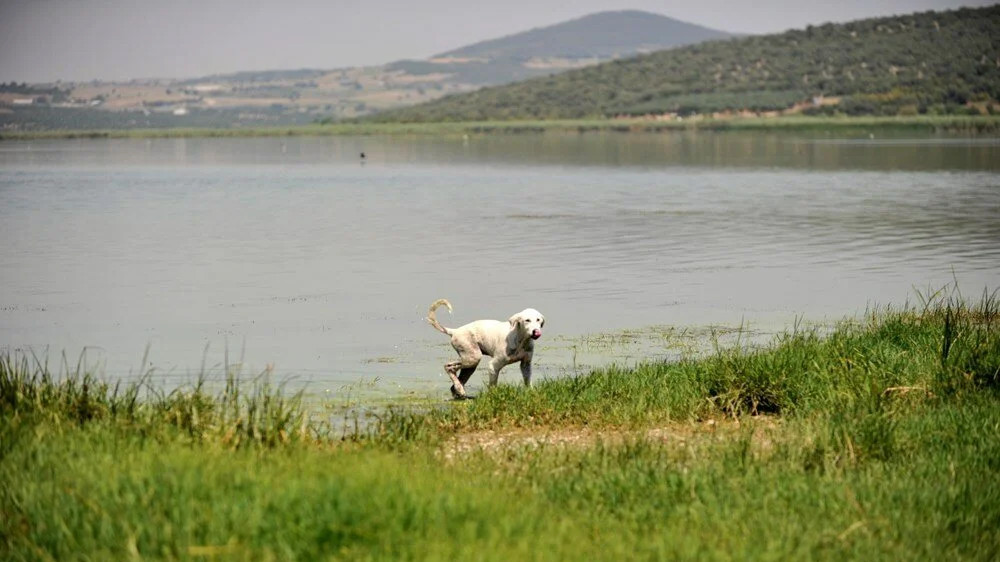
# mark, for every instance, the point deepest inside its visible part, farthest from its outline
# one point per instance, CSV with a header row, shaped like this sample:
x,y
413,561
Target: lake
x,y
294,252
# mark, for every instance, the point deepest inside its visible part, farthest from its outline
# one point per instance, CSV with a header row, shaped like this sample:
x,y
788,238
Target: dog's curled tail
x,y
432,319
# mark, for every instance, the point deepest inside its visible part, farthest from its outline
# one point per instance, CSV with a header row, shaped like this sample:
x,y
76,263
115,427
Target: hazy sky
x,y
45,40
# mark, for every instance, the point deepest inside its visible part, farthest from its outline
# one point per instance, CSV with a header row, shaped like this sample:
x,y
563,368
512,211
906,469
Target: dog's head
x,y
529,322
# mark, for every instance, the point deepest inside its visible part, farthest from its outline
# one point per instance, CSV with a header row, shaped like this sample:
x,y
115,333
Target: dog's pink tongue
x,y
536,334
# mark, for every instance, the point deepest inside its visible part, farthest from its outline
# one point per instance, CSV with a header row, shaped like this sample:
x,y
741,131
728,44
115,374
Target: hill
x,y
924,62
604,34
280,97
576,43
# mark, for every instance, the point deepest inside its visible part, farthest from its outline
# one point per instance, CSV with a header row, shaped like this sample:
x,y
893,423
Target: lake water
x,y
307,258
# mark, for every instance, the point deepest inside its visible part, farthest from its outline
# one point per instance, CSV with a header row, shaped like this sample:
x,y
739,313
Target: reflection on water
x,y
325,266
817,151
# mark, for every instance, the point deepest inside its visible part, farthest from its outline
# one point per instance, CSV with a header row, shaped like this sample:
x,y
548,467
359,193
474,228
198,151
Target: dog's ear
x,y
515,320
543,321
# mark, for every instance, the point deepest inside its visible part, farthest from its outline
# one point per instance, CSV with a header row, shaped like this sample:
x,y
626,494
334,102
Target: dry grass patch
x,y
759,429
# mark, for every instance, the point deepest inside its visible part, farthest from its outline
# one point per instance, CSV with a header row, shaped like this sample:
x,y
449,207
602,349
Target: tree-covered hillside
x,y
927,62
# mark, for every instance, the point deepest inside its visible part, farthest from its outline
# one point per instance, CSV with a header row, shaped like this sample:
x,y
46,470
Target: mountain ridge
x,y
921,62
295,96
603,34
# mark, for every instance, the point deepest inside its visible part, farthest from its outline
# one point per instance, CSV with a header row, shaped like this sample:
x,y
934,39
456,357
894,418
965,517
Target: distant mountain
x,y
600,35
286,96
931,62
547,50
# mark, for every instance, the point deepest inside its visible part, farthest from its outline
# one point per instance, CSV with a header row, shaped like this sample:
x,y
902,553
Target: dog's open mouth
x,y
536,334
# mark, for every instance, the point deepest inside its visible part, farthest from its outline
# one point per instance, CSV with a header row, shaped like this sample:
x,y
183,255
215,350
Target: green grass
x,y
804,374
880,440
984,124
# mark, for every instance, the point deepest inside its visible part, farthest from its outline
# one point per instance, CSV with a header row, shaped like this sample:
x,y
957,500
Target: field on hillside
x,y
879,440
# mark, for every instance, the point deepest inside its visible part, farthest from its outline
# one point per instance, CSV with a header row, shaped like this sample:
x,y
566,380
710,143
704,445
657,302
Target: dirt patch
x,y
679,434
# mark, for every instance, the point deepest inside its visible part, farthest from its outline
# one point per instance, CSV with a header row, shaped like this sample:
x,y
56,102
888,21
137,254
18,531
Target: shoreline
x,y
987,125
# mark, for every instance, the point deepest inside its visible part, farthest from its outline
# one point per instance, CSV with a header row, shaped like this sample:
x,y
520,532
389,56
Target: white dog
x,y
506,342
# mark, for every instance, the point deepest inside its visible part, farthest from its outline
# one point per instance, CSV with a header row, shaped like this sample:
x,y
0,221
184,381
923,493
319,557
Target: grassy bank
x,y
924,124
880,440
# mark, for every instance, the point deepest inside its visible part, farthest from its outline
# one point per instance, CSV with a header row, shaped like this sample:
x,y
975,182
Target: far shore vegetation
x,y
879,440
922,124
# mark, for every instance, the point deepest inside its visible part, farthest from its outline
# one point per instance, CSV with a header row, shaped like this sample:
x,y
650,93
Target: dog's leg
x,y
466,373
469,356
463,377
494,369
526,372
461,370
457,388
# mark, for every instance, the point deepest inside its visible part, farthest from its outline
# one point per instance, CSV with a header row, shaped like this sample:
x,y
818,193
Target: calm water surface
x,y
317,263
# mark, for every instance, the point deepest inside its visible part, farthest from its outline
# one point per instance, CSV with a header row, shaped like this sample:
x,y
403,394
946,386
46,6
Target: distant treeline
x,y
55,93
43,118
258,76
931,62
